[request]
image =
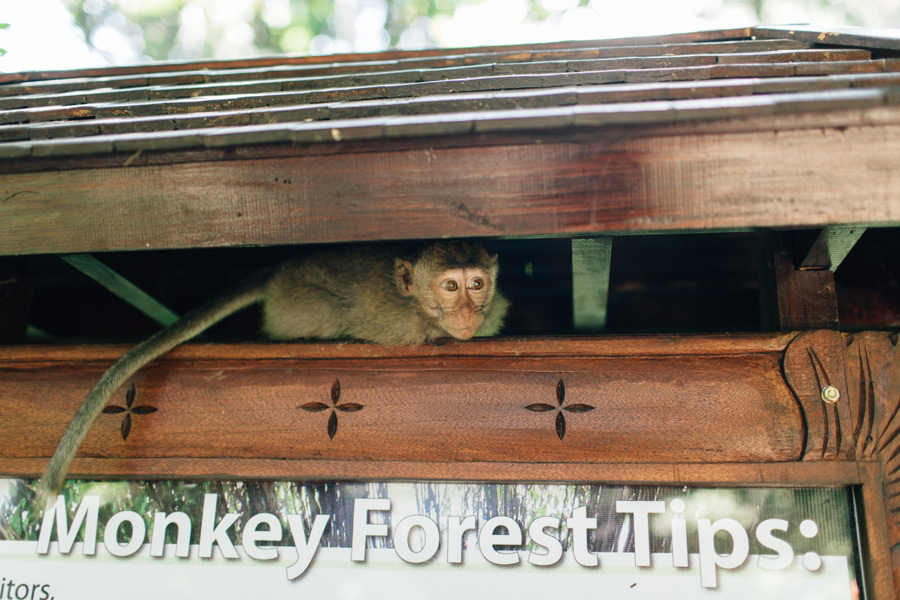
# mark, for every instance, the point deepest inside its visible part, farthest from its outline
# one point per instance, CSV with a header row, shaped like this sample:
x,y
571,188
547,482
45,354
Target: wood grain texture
x,y
616,181
797,299
176,66
863,424
661,407
450,59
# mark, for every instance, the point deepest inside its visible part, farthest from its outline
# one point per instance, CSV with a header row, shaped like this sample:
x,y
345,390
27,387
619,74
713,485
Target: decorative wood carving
x,y
849,389
129,410
672,400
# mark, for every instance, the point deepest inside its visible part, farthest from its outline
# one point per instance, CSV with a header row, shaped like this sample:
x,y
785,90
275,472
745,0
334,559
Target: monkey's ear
x,y
403,276
495,259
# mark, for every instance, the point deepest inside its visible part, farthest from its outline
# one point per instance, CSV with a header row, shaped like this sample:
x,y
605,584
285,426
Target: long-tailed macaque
x,y
368,294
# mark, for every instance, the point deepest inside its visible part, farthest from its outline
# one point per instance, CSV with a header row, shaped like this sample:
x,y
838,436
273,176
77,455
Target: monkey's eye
x,y
450,285
477,284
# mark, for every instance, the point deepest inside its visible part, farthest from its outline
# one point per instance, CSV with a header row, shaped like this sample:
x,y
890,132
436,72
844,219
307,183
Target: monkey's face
x,y
456,299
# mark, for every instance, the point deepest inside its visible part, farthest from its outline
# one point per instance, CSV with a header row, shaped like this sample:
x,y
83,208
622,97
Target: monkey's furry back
x,y
351,294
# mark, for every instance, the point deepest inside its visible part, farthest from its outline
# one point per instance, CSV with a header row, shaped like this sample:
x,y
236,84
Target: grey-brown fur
x,y
356,293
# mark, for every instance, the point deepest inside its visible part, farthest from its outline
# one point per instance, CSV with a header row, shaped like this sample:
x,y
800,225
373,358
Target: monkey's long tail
x,y
191,324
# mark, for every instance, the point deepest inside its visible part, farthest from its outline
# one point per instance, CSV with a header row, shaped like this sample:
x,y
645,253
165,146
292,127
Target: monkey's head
x,y
454,283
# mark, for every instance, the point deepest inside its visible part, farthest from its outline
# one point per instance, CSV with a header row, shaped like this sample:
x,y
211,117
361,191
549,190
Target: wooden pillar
x,y
793,299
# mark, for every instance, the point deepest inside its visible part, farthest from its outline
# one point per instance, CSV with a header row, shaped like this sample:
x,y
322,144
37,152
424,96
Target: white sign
x,y
434,541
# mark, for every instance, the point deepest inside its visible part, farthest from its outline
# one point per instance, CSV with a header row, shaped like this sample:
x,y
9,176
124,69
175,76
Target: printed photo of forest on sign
x,y
830,508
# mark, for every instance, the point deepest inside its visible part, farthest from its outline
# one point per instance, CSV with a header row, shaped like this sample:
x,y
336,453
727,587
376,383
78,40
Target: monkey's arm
x,y
191,324
494,316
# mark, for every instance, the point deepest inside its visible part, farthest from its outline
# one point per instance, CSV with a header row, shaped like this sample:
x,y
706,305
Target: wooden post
x,y
792,299
590,283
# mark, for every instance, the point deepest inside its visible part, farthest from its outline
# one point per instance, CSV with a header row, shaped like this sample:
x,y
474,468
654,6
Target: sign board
x,y
437,540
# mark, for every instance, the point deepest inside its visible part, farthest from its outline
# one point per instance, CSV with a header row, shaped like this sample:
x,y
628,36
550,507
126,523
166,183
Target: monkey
x,y
370,294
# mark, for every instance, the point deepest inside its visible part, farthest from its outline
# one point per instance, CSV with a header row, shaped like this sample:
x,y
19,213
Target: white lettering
x,y
456,531
86,514
111,534
550,543
211,534
252,534
161,522
430,545
640,509
710,559
785,554
362,529
488,538
579,524
306,548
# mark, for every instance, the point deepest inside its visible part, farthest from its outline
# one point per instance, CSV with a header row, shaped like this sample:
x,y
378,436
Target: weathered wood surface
x,y
449,66
795,299
616,180
108,120
175,66
849,389
668,400
869,37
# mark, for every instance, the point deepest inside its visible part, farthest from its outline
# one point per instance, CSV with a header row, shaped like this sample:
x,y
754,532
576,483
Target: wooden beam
x,y
573,401
792,299
860,37
121,287
599,181
828,249
591,258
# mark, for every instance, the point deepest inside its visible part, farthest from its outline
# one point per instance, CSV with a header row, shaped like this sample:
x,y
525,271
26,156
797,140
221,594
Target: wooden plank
x,y
460,102
865,37
591,259
795,299
553,118
414,89
828,248
790,474
121,287
455,405
175,66
270,86
615,180
879,568
451,59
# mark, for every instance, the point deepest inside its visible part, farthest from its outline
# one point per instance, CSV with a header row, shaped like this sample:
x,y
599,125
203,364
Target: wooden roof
x,y
723,130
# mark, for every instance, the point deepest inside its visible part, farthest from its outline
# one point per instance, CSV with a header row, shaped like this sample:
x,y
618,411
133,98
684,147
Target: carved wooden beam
x,y
849,389
818,408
